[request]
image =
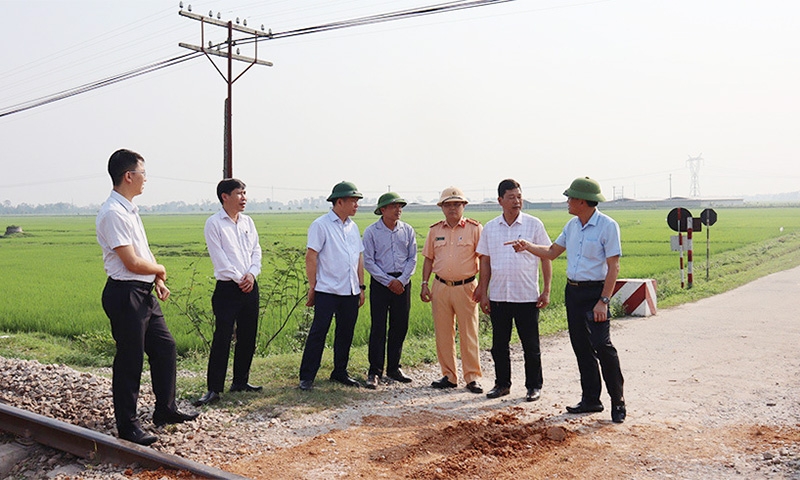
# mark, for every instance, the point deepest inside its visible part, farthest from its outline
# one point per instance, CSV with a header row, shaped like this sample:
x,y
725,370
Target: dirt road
x,y
712,389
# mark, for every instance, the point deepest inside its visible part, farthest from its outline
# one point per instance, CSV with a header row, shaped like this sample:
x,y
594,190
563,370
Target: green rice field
x,y
52,274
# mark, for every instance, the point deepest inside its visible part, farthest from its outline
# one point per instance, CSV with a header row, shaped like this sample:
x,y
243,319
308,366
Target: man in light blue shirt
x,y
390,257
592,243
335,270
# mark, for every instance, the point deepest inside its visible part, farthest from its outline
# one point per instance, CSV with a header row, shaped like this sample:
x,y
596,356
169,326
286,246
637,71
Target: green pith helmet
x,y
586,189
344,190
388,199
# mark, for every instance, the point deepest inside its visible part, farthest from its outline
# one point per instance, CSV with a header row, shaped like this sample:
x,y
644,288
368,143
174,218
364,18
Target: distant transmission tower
x,y
694,169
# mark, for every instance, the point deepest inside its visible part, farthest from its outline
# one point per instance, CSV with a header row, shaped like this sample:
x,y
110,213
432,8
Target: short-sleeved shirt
x,y
453,249
338,245
588,246
233,246
515,276
118,225
390,251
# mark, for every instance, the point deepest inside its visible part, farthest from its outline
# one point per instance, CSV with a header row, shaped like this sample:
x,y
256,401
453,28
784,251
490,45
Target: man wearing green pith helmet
x,y
593,247
390,257
335,270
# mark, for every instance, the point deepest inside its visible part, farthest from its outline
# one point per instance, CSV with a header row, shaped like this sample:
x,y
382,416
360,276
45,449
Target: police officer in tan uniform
x,y
450,255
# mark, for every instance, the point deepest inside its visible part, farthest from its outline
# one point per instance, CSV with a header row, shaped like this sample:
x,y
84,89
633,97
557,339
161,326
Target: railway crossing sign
x,y
708,217
678,216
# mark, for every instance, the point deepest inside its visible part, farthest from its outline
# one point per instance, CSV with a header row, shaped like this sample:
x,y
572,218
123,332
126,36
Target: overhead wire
x,y
361,21
49,70
38,102
380,18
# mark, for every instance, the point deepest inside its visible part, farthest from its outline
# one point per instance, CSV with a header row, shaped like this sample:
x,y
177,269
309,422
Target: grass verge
x,y
278,373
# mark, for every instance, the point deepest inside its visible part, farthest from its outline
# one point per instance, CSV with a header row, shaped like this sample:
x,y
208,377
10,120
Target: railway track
x,y
94,446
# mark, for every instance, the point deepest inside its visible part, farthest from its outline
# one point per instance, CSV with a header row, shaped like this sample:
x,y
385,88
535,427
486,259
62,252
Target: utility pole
x,y
227,53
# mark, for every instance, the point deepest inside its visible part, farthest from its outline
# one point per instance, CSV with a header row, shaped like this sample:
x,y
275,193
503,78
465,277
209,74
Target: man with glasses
x,y
450,255
137,323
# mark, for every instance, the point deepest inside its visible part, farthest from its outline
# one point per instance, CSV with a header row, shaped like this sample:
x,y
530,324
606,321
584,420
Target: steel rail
x,y
91,445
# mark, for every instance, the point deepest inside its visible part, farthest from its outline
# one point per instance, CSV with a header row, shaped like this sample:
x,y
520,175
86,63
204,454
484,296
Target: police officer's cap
x,y
452,194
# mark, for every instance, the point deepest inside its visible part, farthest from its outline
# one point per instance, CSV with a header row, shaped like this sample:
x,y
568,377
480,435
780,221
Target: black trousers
x,y
384,303
326,305
526,316
138,327
591,342
233,309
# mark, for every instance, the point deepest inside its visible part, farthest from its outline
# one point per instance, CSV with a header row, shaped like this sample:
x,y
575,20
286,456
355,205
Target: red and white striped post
x,y
680,246
689,247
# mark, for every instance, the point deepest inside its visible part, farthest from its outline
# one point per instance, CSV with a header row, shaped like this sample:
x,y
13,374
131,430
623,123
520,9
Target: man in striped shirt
x,y
509,289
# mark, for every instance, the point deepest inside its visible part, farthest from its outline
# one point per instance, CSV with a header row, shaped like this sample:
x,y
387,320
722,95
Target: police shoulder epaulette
x,y
437,223
472,221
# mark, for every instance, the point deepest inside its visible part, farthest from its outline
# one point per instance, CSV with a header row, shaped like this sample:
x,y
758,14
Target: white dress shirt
x,y
338,245
232,246
118,224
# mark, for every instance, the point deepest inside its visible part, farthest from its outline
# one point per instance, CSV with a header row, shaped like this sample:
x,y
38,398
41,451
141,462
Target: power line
x,y
38,102
361,21
381,18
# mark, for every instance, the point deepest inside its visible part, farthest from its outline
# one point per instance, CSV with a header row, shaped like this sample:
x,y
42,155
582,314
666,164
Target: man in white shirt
x,y
137,323
335,270
509,289
235,252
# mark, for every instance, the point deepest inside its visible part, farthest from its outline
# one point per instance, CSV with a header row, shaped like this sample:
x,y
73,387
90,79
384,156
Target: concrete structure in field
x,y
13,229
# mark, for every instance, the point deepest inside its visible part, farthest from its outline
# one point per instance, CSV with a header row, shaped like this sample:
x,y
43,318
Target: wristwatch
x,y
362,287
605,300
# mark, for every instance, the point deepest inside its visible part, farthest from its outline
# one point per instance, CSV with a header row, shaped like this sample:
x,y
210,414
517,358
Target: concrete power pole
x,y
694,169
225,52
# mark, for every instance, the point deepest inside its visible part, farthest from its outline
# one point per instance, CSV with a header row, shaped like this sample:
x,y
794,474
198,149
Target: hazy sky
x,y
624,91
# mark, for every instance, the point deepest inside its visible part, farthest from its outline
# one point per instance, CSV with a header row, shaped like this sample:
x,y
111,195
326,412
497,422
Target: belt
x,y
590,283
394,274
133,283
456,283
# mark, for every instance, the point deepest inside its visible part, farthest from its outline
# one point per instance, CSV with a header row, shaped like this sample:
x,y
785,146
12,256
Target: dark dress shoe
x,y
533,394
583,407
498,392
346,380
138,436
474,387
246,388
372,381
399,376
618,413
306,385
207,399
443,382
162,418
